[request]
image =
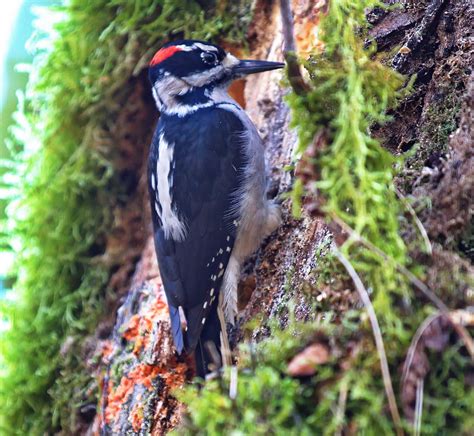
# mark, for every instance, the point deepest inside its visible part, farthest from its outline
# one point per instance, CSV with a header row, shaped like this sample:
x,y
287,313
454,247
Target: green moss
x,y
345,393
65,189
448,403
265,405
440,120
349,91
267,402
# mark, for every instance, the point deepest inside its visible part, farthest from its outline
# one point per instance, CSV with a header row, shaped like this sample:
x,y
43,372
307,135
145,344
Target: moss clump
x,y
440,120
344,394
65,187
266,404
267,401
350,90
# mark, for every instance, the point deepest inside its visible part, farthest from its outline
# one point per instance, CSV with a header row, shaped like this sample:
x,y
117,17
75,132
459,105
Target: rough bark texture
x,y
435,43
142,368
139,368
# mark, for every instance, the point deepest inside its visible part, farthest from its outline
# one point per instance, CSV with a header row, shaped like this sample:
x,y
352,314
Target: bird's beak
x,y
245,67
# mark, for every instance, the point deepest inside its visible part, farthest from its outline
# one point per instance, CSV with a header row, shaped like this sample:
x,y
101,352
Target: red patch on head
x,y
163,54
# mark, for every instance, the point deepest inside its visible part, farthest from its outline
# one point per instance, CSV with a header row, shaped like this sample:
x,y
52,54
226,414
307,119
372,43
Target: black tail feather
x,y
176,329
208,347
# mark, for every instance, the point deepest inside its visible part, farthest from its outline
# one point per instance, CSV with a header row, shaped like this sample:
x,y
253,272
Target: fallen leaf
x,y
306,362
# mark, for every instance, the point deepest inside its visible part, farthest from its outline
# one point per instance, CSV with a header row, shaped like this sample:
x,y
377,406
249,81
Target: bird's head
x,y
187,72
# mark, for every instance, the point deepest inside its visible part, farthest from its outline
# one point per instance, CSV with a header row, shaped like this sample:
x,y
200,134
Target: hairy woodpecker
x,y
207,185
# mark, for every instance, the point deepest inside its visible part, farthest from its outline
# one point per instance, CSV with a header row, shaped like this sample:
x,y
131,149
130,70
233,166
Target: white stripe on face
x,y
205,47
230,61
184,47
200,79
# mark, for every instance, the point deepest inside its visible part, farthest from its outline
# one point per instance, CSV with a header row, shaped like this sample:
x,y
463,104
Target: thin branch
x,y
287,23
225,346
457,317
414,344
289,52
421,228
387,381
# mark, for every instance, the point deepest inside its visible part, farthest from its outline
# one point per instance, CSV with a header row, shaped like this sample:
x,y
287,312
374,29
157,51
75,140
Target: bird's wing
x,y
206,175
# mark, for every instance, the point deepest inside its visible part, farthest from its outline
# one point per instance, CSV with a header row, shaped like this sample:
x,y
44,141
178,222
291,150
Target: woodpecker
x,y
208,190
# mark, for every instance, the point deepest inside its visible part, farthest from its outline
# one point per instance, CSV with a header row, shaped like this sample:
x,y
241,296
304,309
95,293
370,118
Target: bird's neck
x,y
192,99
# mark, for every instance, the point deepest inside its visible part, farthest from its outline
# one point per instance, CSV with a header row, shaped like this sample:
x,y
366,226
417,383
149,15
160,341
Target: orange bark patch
x,y
132,328
140,326
176,377
117,398
106,351
306,26
159,308
143,374
141,342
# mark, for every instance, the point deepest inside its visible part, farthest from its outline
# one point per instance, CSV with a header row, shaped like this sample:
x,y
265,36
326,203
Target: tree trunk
x,y
430,39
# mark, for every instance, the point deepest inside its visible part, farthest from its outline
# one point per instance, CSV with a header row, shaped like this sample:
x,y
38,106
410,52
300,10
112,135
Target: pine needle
x,y
387,380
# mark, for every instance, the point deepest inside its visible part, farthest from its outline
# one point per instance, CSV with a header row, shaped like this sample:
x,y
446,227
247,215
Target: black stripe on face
x,y
192,59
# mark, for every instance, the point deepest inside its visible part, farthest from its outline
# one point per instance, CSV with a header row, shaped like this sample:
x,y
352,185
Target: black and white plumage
x,y
207,186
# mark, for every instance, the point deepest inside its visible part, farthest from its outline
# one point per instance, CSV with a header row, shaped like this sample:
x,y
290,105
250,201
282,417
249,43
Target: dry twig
x,y
341,407
421,228
295,77
234,374
414,344
387,381
411,277
433,334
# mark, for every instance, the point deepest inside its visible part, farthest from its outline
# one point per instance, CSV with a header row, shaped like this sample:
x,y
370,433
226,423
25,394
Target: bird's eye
x,y
209,58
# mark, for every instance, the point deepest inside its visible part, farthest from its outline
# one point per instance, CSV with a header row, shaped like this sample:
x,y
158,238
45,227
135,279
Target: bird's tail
x,y
209,341
207,353
176,329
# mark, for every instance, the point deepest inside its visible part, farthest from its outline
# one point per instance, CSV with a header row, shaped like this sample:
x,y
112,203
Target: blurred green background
x,y
16,27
